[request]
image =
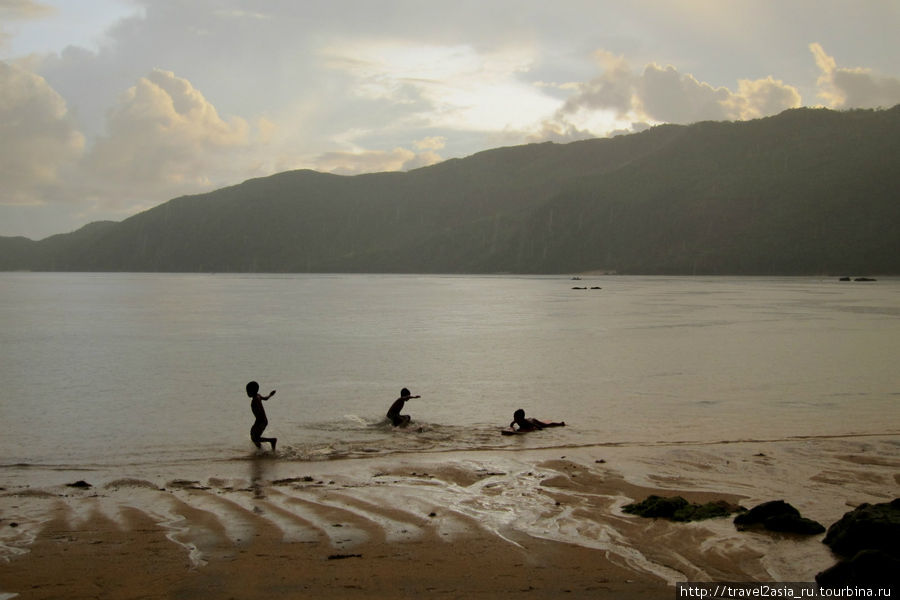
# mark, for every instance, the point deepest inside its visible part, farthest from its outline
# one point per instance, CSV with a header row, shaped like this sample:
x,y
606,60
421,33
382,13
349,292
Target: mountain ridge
x,y
808,191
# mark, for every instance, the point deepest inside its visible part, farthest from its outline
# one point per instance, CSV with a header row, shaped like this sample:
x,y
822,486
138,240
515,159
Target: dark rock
x,y
868,537
79,484
844,279
869,568
864,279
286,481
656,507
779,516
867,527
712,510
793,524
676,508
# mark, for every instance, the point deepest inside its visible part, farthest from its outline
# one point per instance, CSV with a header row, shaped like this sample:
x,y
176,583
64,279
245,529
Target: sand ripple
x,y
576,500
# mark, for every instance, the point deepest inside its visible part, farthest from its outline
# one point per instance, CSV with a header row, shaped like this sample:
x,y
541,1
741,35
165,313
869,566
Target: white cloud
x,y
853,88
37,133
622,99
164,132
762,97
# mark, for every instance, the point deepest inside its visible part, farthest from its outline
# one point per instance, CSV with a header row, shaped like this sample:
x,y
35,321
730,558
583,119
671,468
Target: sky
x,y
111,107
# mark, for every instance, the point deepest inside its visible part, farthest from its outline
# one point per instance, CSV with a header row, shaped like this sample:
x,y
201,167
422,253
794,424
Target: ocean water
x,y
140,370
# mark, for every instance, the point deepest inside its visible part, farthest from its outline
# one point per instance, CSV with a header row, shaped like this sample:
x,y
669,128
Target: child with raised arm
x,y
393,413
259,412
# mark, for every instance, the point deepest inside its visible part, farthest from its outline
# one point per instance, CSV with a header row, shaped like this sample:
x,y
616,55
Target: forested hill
x,y
809,191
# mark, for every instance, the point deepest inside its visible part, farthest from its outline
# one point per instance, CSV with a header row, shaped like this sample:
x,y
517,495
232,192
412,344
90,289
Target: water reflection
x,y
260,467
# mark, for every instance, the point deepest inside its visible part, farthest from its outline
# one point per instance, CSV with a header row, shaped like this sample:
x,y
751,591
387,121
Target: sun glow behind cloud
x,y
450,87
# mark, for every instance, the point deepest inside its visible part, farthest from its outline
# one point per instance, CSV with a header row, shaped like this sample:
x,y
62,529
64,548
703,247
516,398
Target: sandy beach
x,y
444,524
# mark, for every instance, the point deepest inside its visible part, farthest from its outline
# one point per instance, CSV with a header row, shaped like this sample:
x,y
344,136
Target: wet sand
x,y
452,525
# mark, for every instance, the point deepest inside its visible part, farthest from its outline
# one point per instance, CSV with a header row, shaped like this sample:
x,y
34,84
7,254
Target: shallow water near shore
x,y
112,369
747,388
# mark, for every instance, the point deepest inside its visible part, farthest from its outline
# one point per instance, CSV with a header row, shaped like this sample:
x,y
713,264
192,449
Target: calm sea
x,y
145,369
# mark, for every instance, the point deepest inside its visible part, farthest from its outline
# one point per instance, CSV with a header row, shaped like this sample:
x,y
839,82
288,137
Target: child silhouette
x,y
259,412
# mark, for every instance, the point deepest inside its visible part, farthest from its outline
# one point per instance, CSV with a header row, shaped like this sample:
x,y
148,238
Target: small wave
x,y
48,466
355,437
433,439
348,423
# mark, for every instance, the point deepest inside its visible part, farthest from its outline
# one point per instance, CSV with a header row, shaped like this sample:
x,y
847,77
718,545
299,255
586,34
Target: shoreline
x,y
451,524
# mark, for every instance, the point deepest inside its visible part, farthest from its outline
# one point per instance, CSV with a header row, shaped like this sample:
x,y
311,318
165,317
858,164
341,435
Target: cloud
x,y
266,128
374,161
669,96
241,14
762,97
164,132
13,10
353,86
24,9
38,136
460,87
621,99
431,143
853,88
664,94
560,131
163,138
613,90
422,159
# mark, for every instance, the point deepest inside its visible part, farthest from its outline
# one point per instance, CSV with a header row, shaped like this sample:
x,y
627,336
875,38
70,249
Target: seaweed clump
x,y
676,508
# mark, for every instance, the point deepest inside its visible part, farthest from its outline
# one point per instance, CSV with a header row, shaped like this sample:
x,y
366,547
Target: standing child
x,y
260,413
